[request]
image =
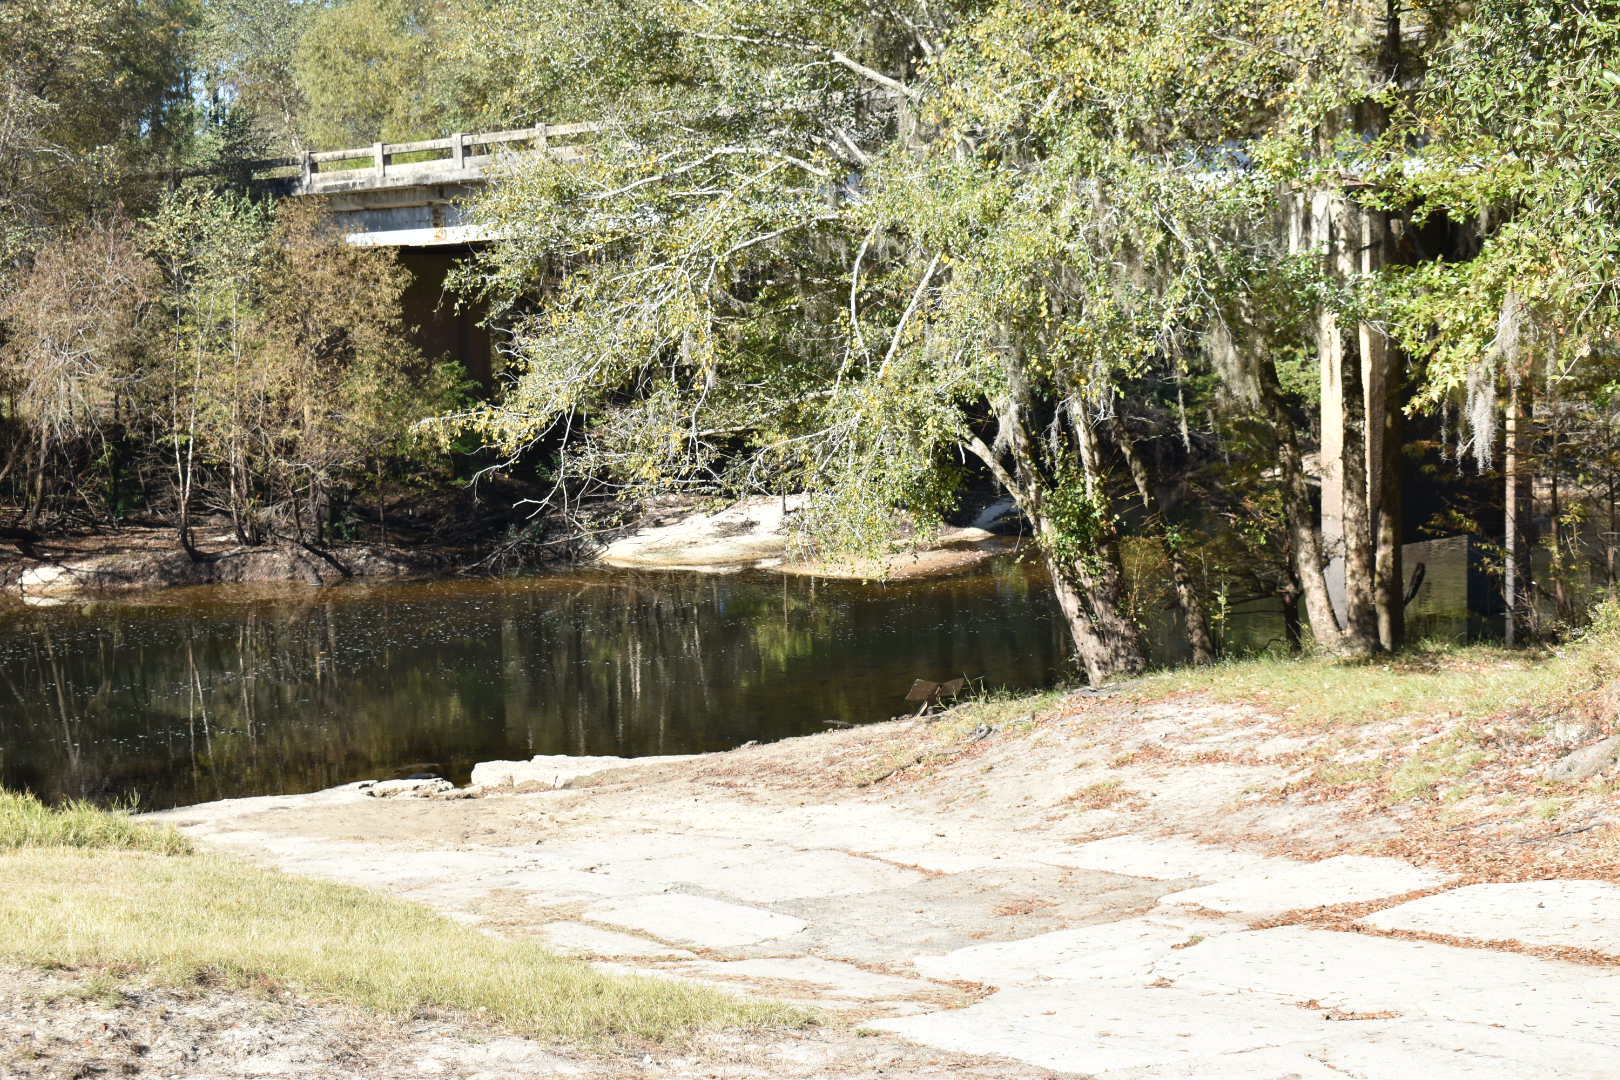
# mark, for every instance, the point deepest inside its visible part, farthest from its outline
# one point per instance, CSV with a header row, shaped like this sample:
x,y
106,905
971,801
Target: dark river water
x,y
202,694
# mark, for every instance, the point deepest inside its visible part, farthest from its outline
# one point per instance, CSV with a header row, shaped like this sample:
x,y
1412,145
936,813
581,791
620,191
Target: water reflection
x,y
214,693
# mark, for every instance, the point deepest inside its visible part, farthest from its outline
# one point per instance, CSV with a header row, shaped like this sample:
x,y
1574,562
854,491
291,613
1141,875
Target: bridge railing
x,y
460,156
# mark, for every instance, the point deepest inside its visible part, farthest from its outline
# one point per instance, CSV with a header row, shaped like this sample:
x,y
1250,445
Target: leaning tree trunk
x,y
1090,589
1107,641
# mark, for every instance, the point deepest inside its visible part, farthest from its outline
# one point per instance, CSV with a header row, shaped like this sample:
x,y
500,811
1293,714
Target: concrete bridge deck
x,y
413,194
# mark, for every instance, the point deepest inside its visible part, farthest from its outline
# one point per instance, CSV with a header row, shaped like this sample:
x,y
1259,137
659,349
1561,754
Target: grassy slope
x,y
1317,693
1441,729
85,888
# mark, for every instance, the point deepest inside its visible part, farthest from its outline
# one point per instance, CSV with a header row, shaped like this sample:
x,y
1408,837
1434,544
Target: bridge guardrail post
x,y
380,160
309,170
458,150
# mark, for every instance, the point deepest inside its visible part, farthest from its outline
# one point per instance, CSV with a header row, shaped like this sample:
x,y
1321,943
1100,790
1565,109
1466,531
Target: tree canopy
x,y
1204,287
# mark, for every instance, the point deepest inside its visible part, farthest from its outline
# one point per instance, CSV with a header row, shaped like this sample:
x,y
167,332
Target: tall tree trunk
x,y
1555,511
1390,583
36,498
1304,524
1193,616
1516,518
1292,631
1361,431
1386,432
1361,616
1611,539
1386,382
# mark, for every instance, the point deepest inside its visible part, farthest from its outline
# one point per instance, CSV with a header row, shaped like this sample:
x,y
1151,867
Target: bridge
x,y
414,194
412,197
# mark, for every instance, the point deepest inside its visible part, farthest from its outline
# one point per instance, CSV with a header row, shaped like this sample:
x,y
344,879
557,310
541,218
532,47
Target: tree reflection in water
x,y
214,693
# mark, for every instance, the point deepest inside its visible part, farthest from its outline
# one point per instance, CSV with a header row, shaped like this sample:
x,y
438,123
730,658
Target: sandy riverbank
x,y
670,535
138,558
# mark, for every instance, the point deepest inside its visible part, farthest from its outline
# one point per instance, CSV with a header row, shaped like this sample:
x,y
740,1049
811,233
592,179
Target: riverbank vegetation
x,y
90,889
1238,294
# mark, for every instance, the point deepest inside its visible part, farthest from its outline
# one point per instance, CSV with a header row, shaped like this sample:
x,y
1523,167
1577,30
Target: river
x,y
197,694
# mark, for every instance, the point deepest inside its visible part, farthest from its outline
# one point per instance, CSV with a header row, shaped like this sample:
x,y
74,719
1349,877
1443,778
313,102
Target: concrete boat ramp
x,y
941,942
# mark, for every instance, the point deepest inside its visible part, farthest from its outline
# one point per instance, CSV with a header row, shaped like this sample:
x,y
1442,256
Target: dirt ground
x,y
59,1025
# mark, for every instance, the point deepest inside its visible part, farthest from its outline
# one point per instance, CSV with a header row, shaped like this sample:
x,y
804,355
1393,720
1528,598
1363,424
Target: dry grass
x,y
181,918
1101,795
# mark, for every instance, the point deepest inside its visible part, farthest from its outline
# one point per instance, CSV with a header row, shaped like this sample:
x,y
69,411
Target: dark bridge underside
x,y
444,326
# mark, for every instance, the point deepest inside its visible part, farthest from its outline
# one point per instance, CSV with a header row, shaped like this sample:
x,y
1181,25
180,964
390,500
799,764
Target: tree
x,y
382,70
1519,153
75,328
844,269
860,251
282,401
246,51
92,93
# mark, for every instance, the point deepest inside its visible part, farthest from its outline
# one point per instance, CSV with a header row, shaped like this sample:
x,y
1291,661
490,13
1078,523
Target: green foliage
x,y
245,50
383,70
1518,122
840,250
92,93
1080,521
283,399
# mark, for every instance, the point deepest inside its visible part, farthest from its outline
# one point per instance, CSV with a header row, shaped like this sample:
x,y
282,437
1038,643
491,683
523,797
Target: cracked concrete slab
x,y
836,977
1449,1051
561,885
1574,914
942,914
1166,858
1360,974
765,874
1114,950
695,920
1096,1027
1284,885
1430,1051
1127,957
579,939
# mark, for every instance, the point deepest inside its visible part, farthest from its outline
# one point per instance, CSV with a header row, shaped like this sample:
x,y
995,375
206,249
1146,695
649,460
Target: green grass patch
x,y
1005,710
25,822
1449,758
1468,682
1351,773
108,893
1320,693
